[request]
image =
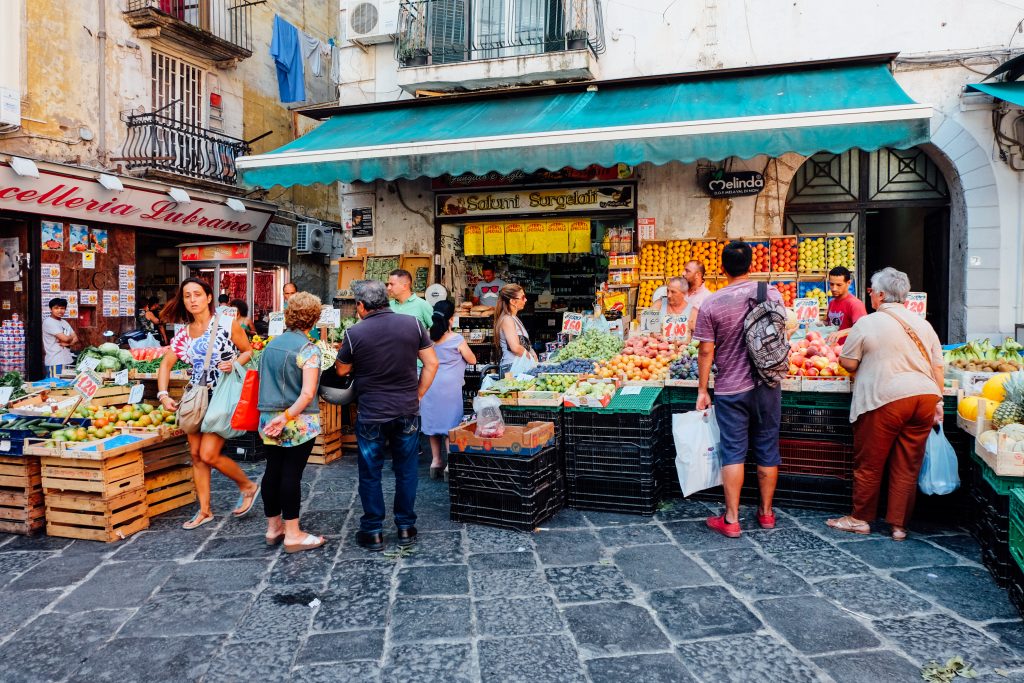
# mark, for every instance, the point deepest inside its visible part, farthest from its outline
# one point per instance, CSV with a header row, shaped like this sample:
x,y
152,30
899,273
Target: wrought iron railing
x,y
161,143
229,20
447,31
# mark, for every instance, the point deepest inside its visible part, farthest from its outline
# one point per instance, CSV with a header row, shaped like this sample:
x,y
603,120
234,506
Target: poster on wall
x,y
72,309
579,236
515,237
9,271
473,239
98,240
535,232
53,235
78,238
556,237
362,223
494,238
111,303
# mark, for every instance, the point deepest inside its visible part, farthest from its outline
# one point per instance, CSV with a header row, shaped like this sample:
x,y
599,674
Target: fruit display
x,y
678,255
685,367
139,415
708,252
1011,410
645,297
642,358
1008,438
590,345
149,353
552,382
982,356
784,255
761,260
812,356
811,257
653,259
787,290
842,251
570,366
969,405
591,388
814,290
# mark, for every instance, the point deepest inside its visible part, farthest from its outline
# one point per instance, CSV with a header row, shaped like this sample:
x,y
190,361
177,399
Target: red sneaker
x,y
766,521
725,528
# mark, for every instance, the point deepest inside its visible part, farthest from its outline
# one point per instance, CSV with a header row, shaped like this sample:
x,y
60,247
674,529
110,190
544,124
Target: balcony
x,y
447,45
217,30
162,147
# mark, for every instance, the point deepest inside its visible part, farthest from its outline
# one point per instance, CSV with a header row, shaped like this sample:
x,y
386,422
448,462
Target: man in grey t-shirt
x,y
58,337
486,291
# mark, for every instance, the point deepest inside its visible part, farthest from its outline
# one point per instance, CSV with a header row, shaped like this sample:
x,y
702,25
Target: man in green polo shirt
x,y
404,301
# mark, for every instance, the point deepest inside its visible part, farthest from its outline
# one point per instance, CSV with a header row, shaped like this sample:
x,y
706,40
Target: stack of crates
x,y
674,400
612,454
521,415
991,525
1016,581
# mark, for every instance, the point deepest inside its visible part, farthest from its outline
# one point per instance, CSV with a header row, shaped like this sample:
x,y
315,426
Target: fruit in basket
x,y
646,294
1011,410
592,345
784,255
813,357
842,251
653,259
678,255
760,262
819,294
968,408
994,389
788,292
811,255
685,367
557,383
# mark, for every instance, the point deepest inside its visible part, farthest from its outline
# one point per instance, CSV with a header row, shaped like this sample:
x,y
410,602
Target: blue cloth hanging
x,y
286,49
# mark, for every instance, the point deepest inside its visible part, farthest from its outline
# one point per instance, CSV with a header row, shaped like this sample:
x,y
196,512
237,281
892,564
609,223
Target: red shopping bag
x,y
247,415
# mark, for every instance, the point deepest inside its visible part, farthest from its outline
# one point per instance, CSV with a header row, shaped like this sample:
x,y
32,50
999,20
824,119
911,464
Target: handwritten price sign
x,y
87,384
676,326
650,321
572,323
917,302
806,310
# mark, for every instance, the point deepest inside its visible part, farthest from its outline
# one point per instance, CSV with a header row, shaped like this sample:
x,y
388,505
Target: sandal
x,y
850,525
899,534
275,540
245,503
197,521
310,542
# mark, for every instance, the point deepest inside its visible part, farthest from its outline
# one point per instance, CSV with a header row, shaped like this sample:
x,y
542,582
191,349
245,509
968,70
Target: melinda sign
x,y
738,184
561,200
73,198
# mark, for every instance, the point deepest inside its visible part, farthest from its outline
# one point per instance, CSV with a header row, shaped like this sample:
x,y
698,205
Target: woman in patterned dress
x,y
194,305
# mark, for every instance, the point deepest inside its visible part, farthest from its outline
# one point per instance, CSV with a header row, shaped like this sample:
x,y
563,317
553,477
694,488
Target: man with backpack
x,y
741,328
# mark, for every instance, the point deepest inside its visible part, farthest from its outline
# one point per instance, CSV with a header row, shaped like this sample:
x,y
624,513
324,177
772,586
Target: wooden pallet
x,y
327,449
105,478
173,452
169,489
87,516
21,495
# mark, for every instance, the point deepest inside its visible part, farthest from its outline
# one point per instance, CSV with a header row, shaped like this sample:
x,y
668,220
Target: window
x,y
177,90
488,29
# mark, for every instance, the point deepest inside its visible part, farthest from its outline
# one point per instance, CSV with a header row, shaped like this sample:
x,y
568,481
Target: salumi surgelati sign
x,y
595,198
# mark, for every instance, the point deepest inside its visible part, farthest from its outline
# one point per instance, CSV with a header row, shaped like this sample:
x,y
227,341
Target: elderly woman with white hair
x,y
897,400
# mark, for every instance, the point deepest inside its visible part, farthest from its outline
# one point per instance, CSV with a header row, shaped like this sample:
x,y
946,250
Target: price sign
x,y
276,326
5,395
136,393
121,378
917,302
329,317
87,384
630,391
806,310
646,228
650,321
676,326
572,323
227,316
90,363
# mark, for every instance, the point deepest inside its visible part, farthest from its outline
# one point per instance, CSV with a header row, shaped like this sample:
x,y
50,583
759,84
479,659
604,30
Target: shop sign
x,y
592,173
87,384
66,196
560,200
917,302
216,252
735,184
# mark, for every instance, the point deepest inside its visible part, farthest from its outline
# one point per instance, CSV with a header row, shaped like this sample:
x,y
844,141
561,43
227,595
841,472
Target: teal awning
x,y
1012,92
684,119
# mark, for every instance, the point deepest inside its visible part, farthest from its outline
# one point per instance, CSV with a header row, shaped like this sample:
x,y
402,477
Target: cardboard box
x,y
516,440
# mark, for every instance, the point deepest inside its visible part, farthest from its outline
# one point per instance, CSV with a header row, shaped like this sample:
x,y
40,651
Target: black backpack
x,y
764,332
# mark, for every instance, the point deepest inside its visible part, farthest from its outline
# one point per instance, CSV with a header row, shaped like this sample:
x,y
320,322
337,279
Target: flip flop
x,y
848,525
310,542
238,512
899,534
196,522
275,540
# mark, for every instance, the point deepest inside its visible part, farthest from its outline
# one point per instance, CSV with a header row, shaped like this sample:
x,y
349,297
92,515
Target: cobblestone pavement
x,y
593,596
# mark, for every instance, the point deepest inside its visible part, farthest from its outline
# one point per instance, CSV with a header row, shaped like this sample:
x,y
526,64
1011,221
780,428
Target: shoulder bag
x,y
913,336
195,401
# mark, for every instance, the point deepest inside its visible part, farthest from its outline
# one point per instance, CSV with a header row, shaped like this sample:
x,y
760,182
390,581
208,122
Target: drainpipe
x,y
101,82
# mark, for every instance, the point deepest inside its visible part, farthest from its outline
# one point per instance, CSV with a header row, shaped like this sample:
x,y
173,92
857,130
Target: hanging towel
x,y
287,54
311,48
335,65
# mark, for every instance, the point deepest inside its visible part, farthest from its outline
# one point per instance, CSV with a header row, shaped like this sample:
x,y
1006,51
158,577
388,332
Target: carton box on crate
x,y
21,495
526,440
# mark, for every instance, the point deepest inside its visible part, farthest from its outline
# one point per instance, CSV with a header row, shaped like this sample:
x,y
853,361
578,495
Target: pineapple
x,y
1011,410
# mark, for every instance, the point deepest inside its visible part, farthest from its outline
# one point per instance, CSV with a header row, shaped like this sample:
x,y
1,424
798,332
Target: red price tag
x,y
87,384
806,310
917,302
572,323
676,327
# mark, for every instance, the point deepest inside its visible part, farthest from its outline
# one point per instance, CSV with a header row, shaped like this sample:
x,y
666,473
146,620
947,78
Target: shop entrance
x,y
896,205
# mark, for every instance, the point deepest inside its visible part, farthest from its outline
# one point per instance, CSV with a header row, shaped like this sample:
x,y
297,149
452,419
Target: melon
x,y
993,389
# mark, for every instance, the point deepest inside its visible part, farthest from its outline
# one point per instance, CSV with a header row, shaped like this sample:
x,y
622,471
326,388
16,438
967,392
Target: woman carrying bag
x,y
510,335
209,350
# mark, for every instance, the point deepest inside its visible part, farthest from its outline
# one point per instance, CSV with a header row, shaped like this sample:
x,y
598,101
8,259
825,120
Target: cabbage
x,y
109,349
109,363
125,356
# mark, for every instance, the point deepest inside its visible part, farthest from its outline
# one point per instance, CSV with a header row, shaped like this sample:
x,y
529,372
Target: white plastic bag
x,y
698,461
939,475
523,365
489,423
149,342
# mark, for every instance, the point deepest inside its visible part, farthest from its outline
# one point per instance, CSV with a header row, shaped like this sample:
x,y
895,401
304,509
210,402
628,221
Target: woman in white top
x,y
510,335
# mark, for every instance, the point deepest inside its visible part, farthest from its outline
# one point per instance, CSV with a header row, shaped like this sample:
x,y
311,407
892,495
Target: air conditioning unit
x,y
312,238
369,21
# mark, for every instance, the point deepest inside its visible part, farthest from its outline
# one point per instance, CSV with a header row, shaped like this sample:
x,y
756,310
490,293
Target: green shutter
x,y
446,26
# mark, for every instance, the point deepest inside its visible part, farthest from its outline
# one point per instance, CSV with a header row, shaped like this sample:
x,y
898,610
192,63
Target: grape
x,y
590,345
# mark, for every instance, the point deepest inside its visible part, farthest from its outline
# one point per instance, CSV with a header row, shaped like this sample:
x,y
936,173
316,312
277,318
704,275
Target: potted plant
x,y
576,39
413,56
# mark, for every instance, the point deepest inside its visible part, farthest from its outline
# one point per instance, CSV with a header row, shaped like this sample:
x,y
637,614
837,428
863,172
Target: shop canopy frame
x,y
804,108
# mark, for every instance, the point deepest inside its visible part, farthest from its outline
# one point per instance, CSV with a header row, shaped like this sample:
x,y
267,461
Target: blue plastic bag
x,y
939,475
223,403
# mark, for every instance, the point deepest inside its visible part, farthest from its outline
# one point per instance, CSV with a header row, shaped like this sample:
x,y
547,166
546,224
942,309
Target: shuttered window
x,y
177,89
488,29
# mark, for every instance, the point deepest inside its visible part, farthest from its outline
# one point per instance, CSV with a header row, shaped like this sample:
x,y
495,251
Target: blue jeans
x,y
750,420
403,436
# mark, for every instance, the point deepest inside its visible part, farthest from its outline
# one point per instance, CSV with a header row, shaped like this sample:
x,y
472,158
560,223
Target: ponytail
x,y
441,319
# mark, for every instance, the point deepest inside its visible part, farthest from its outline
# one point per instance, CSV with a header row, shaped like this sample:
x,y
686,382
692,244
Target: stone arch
x,y
770,207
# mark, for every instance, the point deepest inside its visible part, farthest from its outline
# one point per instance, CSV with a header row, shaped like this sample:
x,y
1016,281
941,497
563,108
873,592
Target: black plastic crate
x,y
507,510
614,445
1015,587
248,448
498,473
520,415
816,458
818,424
631,496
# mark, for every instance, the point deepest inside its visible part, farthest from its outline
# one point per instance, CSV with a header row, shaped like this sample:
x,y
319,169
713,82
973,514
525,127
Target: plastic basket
x,y
816,458
818,424
614,445
507,510
645,403
1016,537
815,400
498,473
630,496
248,448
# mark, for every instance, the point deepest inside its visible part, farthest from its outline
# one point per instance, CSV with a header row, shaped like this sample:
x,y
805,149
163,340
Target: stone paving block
x,y
325,522
697,537
308,567
963,545
117,584
787,540
1010,633
252,524
38,543
14,564
517,616
183,614
703,612
537,659
968,591
884,553
682,508
352,672
53,645
646,534
347,646
940,637
567,518
873,596
822,563
172,521
869,667
235,547
764,659
603,519
588,584
19,608
813,625
149,659
754,574
218,576
277,612
502,561
253,660
659,566
577,546
357,597
430,618
650,668
438,547
518,582
340,499
163,545
613,628
58,571
437,580
429,663
486,539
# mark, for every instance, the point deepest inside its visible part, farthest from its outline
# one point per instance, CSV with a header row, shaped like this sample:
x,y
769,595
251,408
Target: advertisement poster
x,y
98,240
78,238
53,236
362,223
556,237
9,271
535,232
515,238
88,297
494,238
473,240
89,260
579,236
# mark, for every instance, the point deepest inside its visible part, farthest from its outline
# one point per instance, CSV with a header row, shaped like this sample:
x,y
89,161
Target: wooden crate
x,y
111,396
330,417
175,387
107,478
327,449
173,452
169,489
349,442
87,516
21,495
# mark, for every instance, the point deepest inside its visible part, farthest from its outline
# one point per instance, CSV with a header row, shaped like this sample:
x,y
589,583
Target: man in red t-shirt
x,y
844,309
